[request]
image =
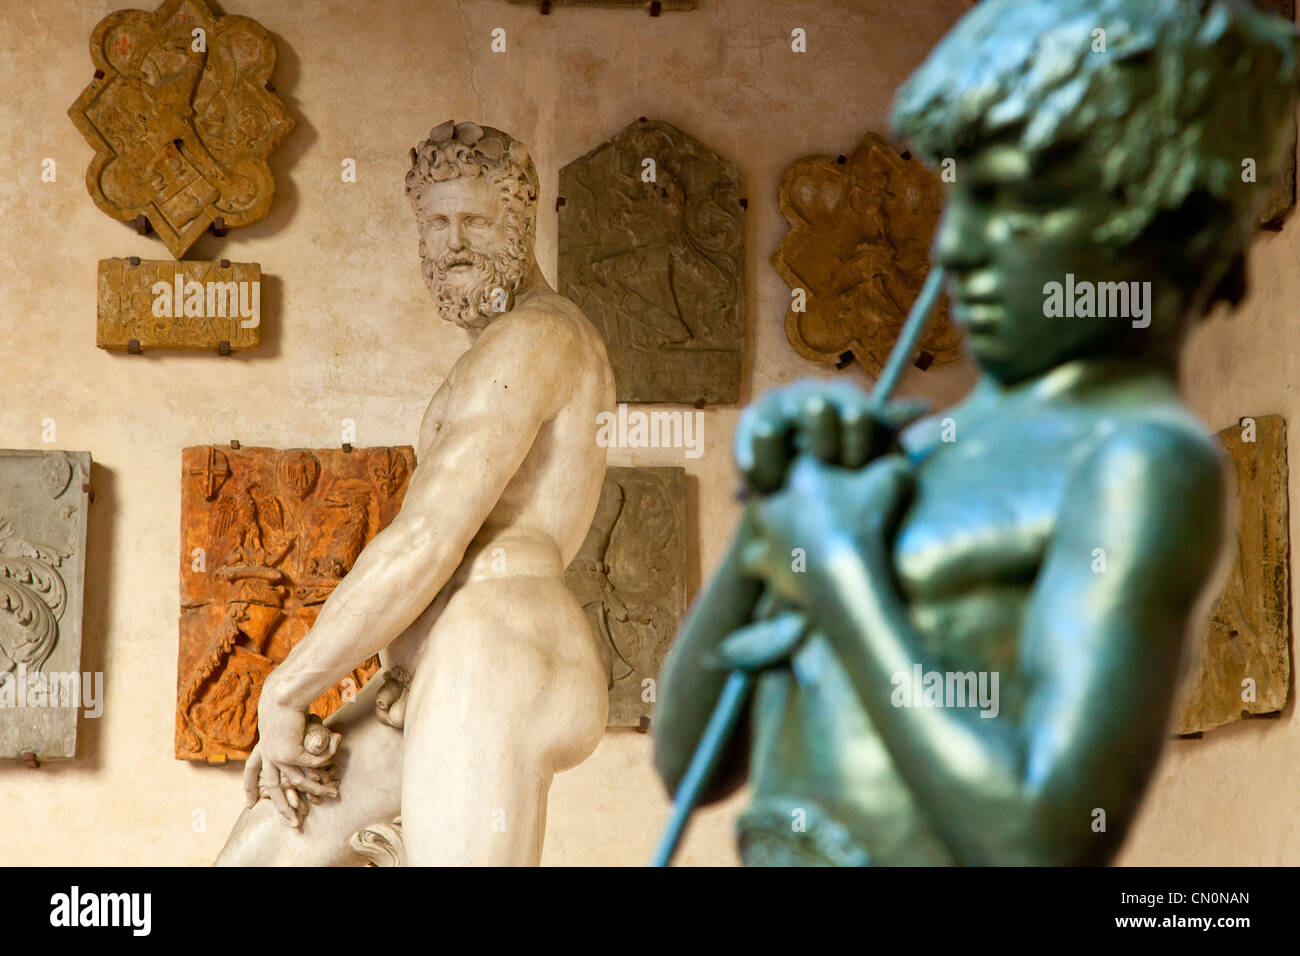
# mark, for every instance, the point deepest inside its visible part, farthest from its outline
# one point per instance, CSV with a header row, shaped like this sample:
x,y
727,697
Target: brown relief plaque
x,y
179,305
652,250
44,501
630,577
266,535
859,248
1244,664
182,116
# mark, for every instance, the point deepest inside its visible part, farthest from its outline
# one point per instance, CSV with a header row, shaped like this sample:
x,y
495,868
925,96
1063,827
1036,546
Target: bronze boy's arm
x,y
839,423
1101,650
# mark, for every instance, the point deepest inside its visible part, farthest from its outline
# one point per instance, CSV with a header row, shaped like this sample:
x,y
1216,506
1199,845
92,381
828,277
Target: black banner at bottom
x,y
658,907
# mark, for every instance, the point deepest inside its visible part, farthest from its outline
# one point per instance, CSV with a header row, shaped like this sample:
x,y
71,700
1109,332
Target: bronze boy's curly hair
x,y
1167,98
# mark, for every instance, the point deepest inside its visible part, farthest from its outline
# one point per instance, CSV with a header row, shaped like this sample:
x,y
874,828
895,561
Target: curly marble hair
x,y
467,149
1183,92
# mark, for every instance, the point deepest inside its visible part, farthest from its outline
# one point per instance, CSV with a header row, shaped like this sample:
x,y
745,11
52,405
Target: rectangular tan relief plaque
x,y
1244,665
44,500
266,536
148,303
630,577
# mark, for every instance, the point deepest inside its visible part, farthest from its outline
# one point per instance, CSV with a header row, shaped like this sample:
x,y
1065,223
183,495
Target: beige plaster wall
x,y
349,333
1230,798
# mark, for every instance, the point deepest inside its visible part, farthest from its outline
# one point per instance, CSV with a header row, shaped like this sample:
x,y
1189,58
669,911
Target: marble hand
x,y
291,763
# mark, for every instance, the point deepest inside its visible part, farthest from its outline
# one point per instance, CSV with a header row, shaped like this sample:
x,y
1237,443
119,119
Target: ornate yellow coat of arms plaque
x,y
858,250
182,116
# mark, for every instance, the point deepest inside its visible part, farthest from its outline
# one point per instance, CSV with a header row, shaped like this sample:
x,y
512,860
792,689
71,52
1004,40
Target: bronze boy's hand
x,y
834,422
822,508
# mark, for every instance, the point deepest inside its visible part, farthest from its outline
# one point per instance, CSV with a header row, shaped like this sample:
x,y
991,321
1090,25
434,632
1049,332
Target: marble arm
x,y
1099,658
497,401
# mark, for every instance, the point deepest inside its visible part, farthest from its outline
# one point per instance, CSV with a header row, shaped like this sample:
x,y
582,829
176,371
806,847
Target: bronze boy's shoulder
x,y
1166,479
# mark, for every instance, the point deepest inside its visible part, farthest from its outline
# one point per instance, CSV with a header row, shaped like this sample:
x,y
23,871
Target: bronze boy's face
x,y
1008,230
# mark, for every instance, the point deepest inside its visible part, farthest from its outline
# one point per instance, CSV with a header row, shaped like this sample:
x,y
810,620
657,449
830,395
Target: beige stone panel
x,y
134,312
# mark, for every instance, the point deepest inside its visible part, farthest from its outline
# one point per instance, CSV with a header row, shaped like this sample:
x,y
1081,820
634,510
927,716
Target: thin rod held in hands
x,y
726,713
722,722
909,337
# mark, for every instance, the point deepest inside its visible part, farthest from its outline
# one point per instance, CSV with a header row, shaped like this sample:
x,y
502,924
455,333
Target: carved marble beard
x,y
469,300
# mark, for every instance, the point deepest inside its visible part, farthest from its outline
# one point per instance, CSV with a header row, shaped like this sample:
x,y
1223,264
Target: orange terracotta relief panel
x,y
266,536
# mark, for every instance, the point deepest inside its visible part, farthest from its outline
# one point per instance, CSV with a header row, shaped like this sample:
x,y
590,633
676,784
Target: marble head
x,y
474,193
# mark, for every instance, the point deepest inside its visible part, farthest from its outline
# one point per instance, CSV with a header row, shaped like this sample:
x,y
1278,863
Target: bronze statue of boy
x,y
986,611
